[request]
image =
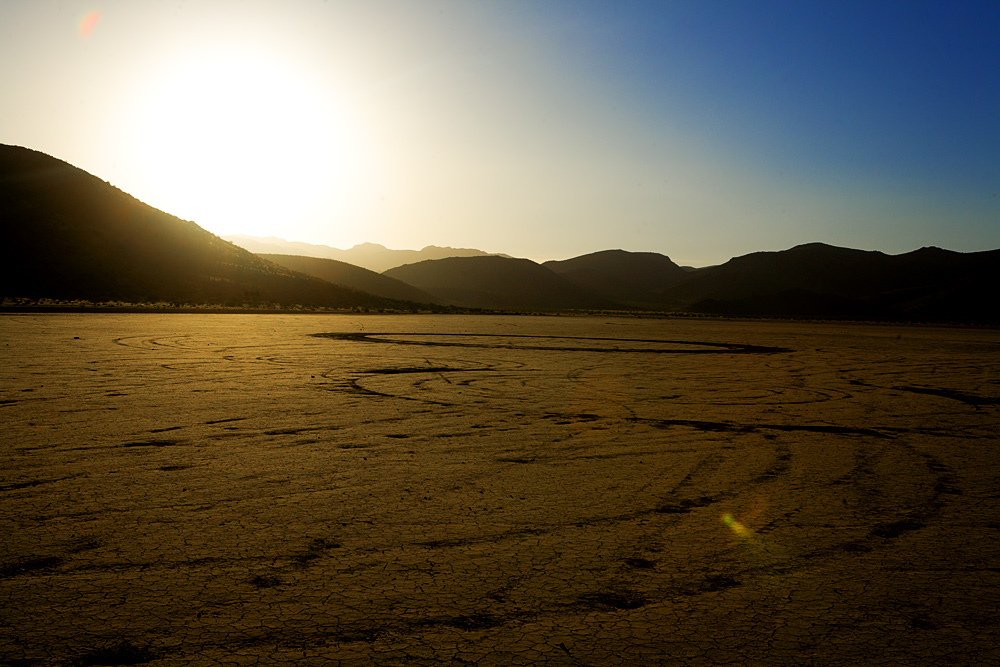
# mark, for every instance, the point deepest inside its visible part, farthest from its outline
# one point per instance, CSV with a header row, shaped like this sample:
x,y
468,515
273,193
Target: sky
x,y
700,129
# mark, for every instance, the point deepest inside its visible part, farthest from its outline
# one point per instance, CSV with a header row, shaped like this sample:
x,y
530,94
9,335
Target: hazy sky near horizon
x,y
701,129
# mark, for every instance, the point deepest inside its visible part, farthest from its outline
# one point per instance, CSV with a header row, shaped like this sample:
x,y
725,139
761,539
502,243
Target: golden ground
x,y
229,490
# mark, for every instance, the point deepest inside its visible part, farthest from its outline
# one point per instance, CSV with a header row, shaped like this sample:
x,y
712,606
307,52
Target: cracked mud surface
x,y
455,490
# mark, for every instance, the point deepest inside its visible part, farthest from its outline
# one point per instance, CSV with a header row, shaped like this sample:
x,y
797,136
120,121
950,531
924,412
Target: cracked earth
x,y
192,490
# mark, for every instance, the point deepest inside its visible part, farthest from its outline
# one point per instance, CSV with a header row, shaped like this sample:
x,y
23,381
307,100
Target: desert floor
x,y
231,489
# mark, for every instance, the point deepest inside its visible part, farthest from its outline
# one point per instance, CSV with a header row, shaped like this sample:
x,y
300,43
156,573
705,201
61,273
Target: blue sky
x,y
903,89
701,130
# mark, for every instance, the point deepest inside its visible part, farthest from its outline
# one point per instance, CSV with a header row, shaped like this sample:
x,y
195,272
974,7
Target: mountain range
x,y
813,280
371,256
68,235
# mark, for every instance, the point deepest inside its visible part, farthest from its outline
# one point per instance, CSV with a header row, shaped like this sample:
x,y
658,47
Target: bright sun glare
x,y
239,143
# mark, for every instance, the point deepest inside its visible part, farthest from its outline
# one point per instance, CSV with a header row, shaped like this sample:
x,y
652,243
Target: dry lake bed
x,y
452,490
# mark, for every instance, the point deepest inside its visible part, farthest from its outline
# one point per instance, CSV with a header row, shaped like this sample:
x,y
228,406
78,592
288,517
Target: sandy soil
x,y
228,490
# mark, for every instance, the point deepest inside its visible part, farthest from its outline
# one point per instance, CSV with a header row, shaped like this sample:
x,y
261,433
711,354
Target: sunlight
x,y
240,143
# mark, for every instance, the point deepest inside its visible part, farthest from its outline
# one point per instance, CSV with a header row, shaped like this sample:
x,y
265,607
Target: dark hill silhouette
x,y
499,283
371,256
822,281
631,278
354,277
70,235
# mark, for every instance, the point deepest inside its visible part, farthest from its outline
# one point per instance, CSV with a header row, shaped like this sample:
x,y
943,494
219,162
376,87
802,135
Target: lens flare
x,y
738,528
88,23
757,549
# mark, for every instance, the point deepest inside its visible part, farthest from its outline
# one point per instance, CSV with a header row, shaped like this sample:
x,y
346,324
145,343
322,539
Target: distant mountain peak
x,y
371,256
